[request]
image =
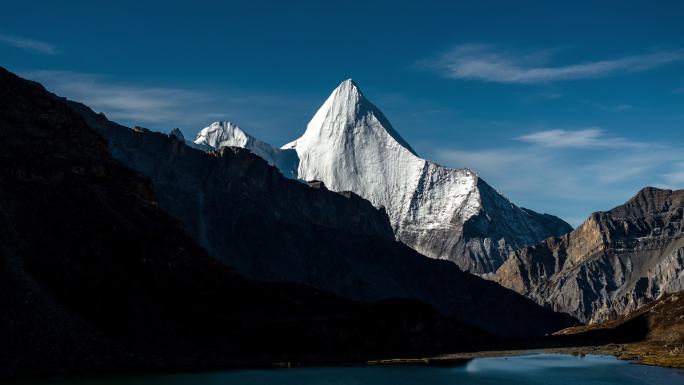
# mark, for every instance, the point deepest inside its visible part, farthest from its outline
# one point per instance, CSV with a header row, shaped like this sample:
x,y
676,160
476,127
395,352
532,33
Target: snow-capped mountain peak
x,y
441,212
346,114
228,134
220,134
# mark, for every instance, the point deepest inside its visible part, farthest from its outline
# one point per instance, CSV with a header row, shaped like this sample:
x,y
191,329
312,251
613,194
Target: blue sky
x,y
565,107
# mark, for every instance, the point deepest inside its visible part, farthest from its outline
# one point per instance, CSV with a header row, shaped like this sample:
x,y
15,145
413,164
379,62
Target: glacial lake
x,y
547,369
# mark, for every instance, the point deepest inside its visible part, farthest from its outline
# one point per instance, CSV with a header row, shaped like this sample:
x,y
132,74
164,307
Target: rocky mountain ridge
x,y
613,263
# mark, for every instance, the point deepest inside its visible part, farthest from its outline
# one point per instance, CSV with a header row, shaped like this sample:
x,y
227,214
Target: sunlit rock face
x,y
614,262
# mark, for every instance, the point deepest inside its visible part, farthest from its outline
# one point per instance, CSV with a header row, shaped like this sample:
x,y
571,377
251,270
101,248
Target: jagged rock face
x,y
94,276
268,227
440,212
613,263
227,134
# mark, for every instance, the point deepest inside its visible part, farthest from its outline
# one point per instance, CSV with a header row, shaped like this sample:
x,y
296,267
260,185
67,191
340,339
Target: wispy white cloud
x,y
487,63
490,159
587,138
121,101
163,107
620,167
28,44
593,170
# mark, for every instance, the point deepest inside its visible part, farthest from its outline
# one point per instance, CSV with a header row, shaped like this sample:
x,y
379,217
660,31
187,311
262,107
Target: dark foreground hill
x,y
93,275
246,214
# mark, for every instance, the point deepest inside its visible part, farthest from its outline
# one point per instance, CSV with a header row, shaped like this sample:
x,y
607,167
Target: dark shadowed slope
x,y
93,275
268,227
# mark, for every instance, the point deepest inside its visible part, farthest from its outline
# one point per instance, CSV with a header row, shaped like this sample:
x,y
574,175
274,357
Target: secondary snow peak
x,y
224,134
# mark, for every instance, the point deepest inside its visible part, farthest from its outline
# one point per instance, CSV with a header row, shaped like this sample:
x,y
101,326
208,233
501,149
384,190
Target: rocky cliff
x,y
613,263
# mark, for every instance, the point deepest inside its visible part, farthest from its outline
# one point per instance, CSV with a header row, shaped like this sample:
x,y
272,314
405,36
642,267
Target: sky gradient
x,y
564,107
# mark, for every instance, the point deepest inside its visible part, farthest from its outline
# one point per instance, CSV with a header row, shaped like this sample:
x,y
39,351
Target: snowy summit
x,y
223,134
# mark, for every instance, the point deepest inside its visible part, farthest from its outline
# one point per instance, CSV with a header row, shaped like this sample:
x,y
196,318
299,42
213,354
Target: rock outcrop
x,y
613,263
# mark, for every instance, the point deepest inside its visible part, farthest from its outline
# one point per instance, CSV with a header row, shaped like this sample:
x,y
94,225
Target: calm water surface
x,y
546,369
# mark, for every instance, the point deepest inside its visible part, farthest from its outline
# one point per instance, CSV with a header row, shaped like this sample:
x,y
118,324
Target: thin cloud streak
x,y
149,105
164,108
28,44
589,138
620,107
486,63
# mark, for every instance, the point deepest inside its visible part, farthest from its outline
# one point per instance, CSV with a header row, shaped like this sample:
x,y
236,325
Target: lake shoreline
x,y
633,353
520,367
636,353
622,352
641,354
